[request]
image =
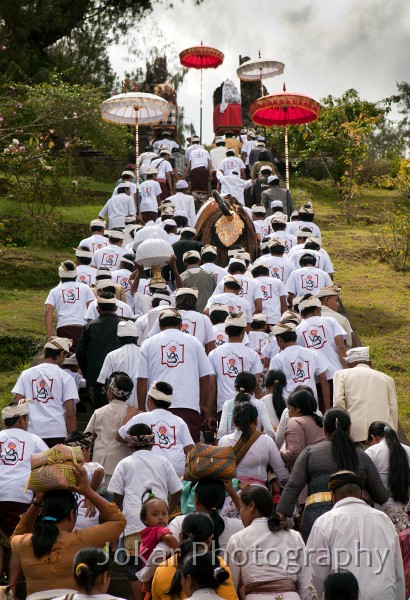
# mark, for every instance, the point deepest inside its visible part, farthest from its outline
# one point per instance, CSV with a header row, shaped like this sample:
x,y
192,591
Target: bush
x,y
392,239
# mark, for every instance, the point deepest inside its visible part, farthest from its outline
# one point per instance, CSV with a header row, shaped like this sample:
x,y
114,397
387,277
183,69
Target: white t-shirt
x,y
122,310
318,333
82,520
307,280
226,424
16,448
270,348
178,359
195,324
110,257
220,335
234,302
70,301
149,190
190,149
49,387
273,417
133,475
117,208
86,274
322,259
171,435
272,289
289,239
262,228
295,226
186,204
199,158
247,146
300,367
133,188
232,163
163,166
257,340
121,277
217,156
125,359
235,186
250,289
218,271
280,267
227,362
94,242
169,144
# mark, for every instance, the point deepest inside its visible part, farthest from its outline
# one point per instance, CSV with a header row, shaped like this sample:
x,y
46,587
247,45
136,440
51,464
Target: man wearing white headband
x,y
209,255
180,360
107,286
308,279
232,163
280,267
127,177
184,202
325,336
53,391
250,289
97,239
165,142
110,256
368,395
16,447
125,358
230,359
172,437
330,298
70,300
199,169
164,168
120,205
306,216
278,224
300,365
231,297
122,276
322,258
159,300
85,273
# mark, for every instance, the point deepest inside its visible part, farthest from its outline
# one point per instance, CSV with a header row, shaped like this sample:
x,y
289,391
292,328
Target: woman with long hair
x,y
46,541
270,572
392,461
315,464
196,537
275,383
245,385
304,428
200,577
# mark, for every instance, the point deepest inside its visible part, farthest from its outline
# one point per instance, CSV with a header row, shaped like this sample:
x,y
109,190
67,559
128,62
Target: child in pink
x,y
155,516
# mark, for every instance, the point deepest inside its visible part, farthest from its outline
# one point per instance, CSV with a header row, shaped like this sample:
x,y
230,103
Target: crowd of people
x,y
252,356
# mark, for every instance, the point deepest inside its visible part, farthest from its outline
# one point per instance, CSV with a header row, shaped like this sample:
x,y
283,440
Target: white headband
x,y
126,260
64,273
157,395
19,410
358,354
185,290
59,343
101,300
83,253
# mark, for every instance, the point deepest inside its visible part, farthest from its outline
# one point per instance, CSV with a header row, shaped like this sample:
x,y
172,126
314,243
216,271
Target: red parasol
x,y
201,57
284,109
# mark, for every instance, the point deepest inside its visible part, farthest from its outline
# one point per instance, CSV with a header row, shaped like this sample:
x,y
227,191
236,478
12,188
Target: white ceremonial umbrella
x,y
260,69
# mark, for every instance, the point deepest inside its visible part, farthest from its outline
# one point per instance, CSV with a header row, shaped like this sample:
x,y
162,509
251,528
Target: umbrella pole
x,y
200,110
137,169
287,157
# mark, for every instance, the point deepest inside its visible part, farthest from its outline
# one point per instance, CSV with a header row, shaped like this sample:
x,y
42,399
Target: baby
x,y
155,516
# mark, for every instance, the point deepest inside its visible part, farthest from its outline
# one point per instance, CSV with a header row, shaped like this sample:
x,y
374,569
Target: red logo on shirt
x,y
172,354
42,389
109,259
83,278
98,245
165,436
277,272
12,451
301,370
188,326
315,337
309,282
244,290
70,295
232,365
266,290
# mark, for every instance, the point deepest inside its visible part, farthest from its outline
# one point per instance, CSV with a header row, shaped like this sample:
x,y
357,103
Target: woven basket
x,y
210,461
53,469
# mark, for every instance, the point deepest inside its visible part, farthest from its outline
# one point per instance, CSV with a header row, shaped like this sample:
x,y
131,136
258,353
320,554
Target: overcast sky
x,y
328,46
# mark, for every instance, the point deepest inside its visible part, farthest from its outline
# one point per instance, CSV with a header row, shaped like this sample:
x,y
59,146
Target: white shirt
x,y
285,559
86,274
322,260
307,280
190,149
144,161
234,302
94,242
199,158
295,226
232,163
16,448
50,388
171,435
131,478
121,277
272,289
122,310
257,340
185,203
261,228
247,146
82,520
124,359
366,538
260,455
195,324
300,366
227,362
270,348
273,417
226,424
163,166
169,144
380,455
289,239
178,359
280,267
318,333
218,271
235,186
70,300
219,333
148,191
117,208
133,188
217,156
110,257
250,289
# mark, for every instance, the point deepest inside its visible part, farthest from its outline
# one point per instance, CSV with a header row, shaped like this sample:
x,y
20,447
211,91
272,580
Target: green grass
x,y
373,294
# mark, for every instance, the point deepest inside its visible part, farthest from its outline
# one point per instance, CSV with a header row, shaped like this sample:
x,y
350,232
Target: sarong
x,y
199,179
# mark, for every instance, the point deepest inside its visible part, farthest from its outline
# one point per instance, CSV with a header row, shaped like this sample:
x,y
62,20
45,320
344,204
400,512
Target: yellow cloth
x,y
55,569
165,572
235,145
